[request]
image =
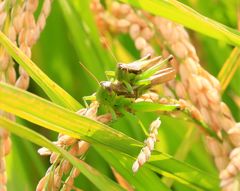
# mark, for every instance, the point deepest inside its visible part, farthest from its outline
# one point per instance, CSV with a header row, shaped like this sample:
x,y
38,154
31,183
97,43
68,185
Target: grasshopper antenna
x,y
90,73
109,48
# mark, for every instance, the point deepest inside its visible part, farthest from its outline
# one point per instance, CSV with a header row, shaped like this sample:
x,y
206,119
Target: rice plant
x,y
119,95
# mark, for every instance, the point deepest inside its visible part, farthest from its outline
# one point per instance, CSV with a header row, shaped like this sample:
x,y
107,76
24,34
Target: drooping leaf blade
x,y
54,117
100,180
229,68
143,180
55,92
182,14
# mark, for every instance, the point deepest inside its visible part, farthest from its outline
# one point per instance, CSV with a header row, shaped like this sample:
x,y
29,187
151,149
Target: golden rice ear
x,y
145,153
18,23
194,80
163,76
61,167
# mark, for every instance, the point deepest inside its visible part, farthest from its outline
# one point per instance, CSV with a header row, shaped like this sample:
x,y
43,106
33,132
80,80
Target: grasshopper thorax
x,y
105,94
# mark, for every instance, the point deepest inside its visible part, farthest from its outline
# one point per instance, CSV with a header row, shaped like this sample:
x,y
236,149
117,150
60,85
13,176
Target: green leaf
x,y
150,107
54,117
100,180
89,50
55,92
17,163
184,148
23,155
82,10
180,13
229,68
143,180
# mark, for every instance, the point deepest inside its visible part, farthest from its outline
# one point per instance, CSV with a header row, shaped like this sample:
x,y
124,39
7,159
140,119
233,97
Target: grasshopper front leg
x,y
110,74
89,98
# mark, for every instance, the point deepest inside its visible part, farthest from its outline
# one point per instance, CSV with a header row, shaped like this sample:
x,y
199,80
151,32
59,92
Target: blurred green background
x,y
69,39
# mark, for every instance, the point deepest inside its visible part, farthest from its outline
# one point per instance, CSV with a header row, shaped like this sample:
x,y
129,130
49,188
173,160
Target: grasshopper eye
x,y
106,84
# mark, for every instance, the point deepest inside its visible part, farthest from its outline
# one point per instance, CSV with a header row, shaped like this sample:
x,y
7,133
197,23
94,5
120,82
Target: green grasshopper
x,y
126,84
129,82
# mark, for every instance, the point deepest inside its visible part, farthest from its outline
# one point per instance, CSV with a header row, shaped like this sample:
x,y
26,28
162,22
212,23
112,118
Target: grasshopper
x,y
130,81
126,84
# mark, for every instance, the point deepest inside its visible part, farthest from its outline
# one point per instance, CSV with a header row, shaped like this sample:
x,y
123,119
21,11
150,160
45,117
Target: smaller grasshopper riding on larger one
x,y
130,81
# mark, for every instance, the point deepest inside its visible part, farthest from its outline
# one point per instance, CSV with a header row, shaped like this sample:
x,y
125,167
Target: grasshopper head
x,y
106,85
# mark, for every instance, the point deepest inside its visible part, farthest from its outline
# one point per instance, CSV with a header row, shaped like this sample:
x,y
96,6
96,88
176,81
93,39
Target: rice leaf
x,y
54,117
55,92
182,14
100,180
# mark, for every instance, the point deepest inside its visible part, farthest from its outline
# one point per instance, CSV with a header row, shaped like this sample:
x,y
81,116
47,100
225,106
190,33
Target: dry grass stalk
x,y
196,84
18,23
